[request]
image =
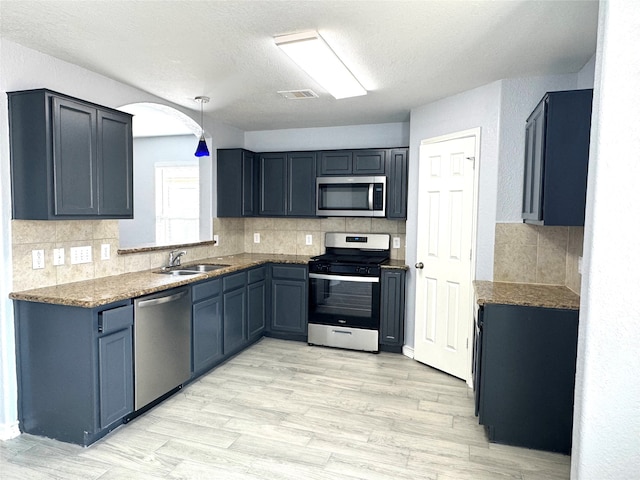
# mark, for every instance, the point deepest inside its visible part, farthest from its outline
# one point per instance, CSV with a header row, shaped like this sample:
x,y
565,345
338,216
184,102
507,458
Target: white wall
x,y
479,107
519,97
606,429
384,135
23,69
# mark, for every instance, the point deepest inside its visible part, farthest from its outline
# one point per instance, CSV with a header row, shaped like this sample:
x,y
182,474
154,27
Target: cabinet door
x,y
116,376
392,307
369,162
256,308
235,319
115,165
74,158
338,162
249,184
207,333
273,184
397,183
533,160
289,306
301,184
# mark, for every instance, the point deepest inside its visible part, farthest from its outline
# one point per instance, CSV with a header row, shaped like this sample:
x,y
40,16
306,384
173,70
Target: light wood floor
x,y
285,410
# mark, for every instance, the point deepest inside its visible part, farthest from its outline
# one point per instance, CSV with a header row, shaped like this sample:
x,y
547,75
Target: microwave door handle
x,y
371,196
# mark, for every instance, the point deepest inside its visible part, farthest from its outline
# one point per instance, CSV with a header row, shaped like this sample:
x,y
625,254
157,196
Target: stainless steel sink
x,y
178,272
192,269
203,267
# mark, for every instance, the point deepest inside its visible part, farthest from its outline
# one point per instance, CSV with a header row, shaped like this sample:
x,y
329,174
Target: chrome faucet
x,y
174,257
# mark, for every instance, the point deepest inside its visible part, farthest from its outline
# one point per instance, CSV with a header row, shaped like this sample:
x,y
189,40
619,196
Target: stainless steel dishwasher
x,y
162,344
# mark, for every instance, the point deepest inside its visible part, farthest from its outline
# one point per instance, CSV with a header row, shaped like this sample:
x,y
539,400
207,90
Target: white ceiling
x,y
406,53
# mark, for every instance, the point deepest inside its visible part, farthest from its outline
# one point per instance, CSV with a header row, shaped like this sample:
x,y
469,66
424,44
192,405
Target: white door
x,y
446,235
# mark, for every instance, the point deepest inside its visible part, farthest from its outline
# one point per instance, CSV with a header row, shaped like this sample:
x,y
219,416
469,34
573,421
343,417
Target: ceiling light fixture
x,y
314,56
202,150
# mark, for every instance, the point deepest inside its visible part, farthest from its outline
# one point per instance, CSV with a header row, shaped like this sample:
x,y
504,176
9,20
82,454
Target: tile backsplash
x,y
277,235
538,254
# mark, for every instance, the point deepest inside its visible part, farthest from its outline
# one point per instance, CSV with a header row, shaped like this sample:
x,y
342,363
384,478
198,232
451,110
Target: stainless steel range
x,y
344,291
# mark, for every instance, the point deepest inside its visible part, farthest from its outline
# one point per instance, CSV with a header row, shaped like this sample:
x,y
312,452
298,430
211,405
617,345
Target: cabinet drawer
x,y
115,319
205,289
291,272
257,274
236,280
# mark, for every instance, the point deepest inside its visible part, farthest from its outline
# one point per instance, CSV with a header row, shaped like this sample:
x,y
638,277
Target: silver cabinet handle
x,y
370,196
419,265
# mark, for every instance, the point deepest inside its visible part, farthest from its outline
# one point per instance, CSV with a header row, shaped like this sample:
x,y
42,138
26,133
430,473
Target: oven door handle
x,y
344,278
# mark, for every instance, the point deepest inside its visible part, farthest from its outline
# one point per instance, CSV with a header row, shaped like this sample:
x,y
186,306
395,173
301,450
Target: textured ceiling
x,y
406,53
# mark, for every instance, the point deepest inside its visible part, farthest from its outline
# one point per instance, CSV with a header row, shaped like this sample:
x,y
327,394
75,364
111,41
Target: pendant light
x,y
202,150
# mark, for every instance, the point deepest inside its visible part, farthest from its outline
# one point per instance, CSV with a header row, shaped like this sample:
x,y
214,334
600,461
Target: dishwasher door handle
x,y
161,300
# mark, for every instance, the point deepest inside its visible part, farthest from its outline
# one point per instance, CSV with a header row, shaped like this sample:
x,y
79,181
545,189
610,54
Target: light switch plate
x,y
58,256
396,242
216,240
256,238
308,239
105,251
37,257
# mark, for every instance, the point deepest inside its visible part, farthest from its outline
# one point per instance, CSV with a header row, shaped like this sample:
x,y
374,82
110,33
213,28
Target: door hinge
x,y
470,254
467,343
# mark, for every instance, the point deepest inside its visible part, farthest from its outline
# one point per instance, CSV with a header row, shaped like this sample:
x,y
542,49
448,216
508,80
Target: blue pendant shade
x,y
202,150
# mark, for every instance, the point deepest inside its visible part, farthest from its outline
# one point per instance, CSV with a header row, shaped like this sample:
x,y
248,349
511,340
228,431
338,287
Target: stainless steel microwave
x,y
351,196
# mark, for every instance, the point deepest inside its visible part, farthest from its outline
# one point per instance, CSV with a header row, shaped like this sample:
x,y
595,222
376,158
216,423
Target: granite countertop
x,y
102,291
526,294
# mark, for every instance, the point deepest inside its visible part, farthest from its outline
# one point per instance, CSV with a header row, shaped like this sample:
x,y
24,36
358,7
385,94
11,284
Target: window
x,y
177,203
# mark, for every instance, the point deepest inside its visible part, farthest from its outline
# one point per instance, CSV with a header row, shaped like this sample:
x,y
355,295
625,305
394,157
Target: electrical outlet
x,y
58,256
105,251
80,255
216,240
37,257
396,242
308,239
256,238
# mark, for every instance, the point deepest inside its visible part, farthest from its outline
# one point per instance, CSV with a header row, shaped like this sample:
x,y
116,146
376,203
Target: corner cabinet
x,y
75,369
392,294
70,159
237,183
397,164
289,302
556,159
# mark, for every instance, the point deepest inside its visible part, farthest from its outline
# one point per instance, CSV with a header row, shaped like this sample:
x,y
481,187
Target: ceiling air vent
x,y
298,94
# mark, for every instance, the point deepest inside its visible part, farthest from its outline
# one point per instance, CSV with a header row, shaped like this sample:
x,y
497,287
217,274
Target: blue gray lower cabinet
x,y
525,375
289,302
75,370
207,349
392,292
234,306
256,302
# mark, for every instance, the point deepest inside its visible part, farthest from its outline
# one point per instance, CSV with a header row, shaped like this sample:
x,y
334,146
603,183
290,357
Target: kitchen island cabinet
x,y
75,369
524,374
70,159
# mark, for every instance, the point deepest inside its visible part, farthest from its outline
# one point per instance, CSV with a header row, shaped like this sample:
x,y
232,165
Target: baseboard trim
x,y
9,431
407,351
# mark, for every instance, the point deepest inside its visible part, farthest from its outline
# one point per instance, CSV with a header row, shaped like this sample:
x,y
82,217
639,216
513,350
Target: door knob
x,y
419,265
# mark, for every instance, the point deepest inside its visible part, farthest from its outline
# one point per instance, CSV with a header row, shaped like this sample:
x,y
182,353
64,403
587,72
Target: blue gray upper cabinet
x,y
237,184
352,162
557,158
70,159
